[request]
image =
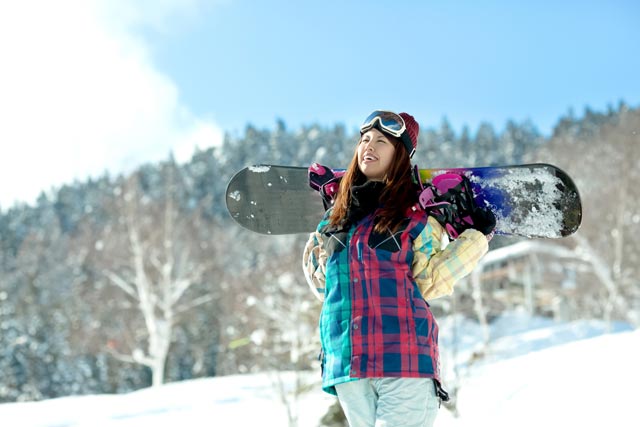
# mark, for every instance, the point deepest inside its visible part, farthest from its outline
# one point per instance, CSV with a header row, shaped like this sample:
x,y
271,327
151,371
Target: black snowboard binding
x,y
450,200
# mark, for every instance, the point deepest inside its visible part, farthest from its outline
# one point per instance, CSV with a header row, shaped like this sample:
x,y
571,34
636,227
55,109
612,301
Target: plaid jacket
x,y
375,321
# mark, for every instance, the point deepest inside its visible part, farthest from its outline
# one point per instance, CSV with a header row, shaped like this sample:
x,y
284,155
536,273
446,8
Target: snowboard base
x,y
534,200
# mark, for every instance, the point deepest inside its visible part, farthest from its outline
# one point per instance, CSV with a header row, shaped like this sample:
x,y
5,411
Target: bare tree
x,y
282,321
155,261
602,154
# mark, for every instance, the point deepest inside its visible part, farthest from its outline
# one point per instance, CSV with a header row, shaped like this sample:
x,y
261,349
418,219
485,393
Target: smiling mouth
x,y
369,158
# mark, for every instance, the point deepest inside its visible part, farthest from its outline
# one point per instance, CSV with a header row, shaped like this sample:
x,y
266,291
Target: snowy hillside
x,y
537,373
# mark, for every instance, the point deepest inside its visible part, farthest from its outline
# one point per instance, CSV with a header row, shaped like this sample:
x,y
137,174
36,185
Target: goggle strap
x,y
408,144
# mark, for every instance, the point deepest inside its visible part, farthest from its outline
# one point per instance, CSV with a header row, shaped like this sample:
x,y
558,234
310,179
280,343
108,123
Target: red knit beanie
x,y
410,135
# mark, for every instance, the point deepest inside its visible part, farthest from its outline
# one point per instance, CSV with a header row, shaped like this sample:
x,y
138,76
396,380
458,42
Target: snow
x,y
536,372
243,399
235,195
543,220
585,383
259,169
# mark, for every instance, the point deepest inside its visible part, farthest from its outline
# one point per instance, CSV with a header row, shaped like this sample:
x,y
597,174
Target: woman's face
x,y
375,154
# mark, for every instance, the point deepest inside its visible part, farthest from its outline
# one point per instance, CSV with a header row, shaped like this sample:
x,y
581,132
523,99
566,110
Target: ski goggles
x,y
386,121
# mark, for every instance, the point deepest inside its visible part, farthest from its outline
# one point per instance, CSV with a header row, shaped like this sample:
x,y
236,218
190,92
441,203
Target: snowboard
x,y
531,200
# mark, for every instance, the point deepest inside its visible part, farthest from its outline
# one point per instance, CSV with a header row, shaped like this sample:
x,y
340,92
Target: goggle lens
x,y
388,121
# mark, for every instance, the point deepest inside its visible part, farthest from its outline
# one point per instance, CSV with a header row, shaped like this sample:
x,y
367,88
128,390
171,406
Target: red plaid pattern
x,y
374,321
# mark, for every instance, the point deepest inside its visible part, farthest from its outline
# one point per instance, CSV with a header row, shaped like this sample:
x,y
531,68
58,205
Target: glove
x,y
325,181
329,191
483,220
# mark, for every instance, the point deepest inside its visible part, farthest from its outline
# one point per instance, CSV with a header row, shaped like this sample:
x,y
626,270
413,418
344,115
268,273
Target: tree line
x,y
121,282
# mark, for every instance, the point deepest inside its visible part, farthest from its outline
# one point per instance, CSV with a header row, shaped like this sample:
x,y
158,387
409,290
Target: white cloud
x,y
79,94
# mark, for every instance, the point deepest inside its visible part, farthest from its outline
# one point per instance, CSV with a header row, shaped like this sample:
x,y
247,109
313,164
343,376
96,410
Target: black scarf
x,y
365,199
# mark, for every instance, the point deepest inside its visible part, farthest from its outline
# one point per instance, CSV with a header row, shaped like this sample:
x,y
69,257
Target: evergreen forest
x,y
122,282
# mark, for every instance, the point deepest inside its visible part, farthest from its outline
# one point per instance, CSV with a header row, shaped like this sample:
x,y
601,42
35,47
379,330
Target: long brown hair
x,y
398,195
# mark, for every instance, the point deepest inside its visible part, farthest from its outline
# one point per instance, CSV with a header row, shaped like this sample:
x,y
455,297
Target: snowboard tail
x,y
534,200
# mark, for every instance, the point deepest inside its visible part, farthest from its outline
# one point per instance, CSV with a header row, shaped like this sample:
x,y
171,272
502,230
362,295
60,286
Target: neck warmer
x,y
364,200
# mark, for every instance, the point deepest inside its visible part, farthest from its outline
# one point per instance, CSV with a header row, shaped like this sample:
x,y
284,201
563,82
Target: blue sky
x,y
94,86
470,61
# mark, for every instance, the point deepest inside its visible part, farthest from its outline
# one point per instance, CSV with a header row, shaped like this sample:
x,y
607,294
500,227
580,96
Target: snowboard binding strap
x,y
449,199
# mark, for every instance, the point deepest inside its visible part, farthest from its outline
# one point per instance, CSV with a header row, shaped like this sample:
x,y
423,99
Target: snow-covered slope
x,y
538,373
589,382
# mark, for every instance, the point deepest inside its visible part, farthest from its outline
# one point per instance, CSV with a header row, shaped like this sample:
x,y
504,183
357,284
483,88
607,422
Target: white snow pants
x,y
389,402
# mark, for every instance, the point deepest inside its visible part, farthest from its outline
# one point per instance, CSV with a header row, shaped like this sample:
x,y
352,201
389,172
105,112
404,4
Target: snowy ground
x,y
536,373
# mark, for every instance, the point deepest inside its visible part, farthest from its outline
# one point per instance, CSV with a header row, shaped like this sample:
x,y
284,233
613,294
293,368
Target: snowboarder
x,y
375,260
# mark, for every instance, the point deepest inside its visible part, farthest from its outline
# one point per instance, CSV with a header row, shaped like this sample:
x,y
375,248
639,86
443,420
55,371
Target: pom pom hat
x,y
402,126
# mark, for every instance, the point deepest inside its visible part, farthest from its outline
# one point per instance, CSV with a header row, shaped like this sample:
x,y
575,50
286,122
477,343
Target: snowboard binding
x,y
450,200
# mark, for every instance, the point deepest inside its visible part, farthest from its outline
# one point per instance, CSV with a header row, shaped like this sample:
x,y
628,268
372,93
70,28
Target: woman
x,y
375,259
